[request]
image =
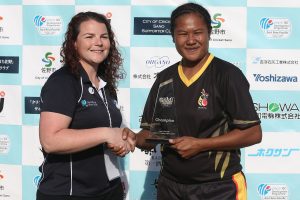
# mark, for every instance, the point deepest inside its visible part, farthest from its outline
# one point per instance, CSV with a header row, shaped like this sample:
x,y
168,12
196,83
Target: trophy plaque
x,y
164,119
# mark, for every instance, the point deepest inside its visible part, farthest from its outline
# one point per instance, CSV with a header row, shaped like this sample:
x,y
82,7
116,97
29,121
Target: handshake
x,y
122,141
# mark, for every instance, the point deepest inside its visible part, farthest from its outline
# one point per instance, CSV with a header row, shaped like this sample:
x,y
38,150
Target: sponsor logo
x,y
273,191
274,78
151,26
274,152
9,64
48,25
276,28
216,24
158,62
259,60
275,111
263,189
277,107
32,105
2,95
48,63
142,76
203,99
48,59
217,20
84,103
256,60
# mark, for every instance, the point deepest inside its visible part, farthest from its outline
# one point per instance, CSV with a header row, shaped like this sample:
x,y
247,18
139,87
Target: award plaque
x,y
164,120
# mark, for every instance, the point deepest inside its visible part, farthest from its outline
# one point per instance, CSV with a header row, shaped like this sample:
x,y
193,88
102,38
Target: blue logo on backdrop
x,y
263,189
273,191
48,25
263,61
266,23
274,78
157,61
276,28
9,64
39,20
152,26
274,152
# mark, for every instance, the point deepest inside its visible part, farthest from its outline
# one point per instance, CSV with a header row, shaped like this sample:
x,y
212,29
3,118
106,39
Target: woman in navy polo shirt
x,y
79,116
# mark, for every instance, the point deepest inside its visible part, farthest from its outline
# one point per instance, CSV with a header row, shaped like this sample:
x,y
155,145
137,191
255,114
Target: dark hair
x,y
109,68
189,8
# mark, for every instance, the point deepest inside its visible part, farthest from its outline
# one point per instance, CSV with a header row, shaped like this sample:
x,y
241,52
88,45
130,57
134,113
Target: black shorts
x,y
115,192
230,189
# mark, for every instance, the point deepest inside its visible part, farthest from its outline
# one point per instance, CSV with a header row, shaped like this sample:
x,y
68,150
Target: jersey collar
x,y
189,82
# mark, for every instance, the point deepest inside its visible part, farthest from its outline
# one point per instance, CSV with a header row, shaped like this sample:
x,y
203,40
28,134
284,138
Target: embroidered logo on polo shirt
x,y
203,100
91,90
85,103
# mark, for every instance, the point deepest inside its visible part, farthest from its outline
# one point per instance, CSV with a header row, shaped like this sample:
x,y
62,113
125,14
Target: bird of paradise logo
x,y
202,101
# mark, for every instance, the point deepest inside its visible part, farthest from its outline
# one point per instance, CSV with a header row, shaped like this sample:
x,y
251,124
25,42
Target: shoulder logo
x,y
203,99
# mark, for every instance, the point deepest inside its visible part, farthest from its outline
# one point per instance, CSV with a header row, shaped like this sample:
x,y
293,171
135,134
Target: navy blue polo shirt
x,y
82,173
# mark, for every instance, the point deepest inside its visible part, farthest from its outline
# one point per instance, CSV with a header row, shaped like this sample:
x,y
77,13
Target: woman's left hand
x,y
186,147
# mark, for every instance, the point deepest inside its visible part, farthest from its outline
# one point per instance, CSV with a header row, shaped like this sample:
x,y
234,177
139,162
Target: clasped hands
x,y
185,146
128,144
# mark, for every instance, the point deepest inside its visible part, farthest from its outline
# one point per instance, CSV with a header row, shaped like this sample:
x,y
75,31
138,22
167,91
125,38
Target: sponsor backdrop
x,y
260,37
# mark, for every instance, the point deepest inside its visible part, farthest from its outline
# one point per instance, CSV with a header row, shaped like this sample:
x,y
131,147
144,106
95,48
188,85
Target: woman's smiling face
x,y
191,37
92,43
